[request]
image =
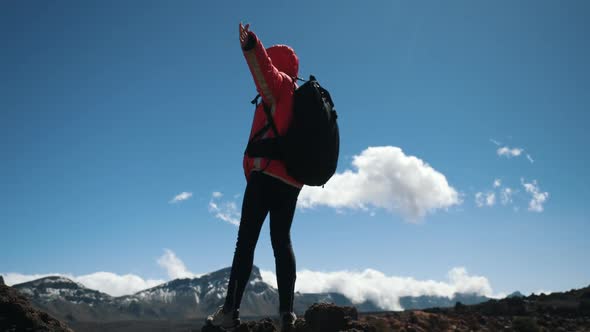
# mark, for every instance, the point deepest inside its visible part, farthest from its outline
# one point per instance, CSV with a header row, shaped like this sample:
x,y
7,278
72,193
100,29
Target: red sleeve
x,y
267,78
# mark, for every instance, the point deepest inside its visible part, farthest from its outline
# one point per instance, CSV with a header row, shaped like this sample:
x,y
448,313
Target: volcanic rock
x,y
320,317
327,317
17,314
264,325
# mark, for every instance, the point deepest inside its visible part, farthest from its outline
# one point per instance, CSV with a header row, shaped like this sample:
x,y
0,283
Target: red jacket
x,y
274,71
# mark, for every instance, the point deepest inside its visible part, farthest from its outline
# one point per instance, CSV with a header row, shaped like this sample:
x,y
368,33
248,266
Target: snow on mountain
x,y
187,298
61,288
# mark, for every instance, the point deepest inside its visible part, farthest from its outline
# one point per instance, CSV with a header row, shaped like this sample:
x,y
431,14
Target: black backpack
x,y
311,146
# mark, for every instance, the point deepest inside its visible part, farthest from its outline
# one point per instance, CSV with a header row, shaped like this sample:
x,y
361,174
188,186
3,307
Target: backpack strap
x,y
260,132
269,119
265,147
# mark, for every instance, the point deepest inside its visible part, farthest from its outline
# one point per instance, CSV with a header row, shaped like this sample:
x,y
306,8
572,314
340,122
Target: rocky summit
x,y
568,311
17,314
320,317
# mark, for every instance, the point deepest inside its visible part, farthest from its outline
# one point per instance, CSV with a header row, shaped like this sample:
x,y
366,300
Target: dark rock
x,y
1,281
321,317
329,317
481,320
17,314
209,328
264,325
360,327
525,324
460,307
515,294
326,317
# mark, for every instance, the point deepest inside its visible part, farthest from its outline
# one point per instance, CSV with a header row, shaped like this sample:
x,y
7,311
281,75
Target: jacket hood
x,y
284,59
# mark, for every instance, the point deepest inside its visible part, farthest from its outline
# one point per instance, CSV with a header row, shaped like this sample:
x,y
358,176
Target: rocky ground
x,y
561,312
17,314
319,317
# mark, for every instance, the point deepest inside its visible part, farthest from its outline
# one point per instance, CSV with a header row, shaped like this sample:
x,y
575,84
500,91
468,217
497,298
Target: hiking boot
x,y
226,320
287,321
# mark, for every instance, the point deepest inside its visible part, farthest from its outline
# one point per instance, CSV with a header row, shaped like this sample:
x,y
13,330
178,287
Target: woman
x,y
270,189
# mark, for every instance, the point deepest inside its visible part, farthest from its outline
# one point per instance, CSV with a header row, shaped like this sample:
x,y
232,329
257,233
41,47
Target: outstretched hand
x,y
244,33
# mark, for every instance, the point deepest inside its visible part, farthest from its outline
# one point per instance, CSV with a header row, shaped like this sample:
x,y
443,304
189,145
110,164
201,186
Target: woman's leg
x,y
254,211
282,211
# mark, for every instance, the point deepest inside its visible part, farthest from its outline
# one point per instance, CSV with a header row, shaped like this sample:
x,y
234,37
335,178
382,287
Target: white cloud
x,y
506,196
495,142
487,199
359,286
538,198
491,199
269,277
183,196
112,283
106,282
224,210
385,178
174,266
528,156
499,296
509,152
384,290
116,285
479,199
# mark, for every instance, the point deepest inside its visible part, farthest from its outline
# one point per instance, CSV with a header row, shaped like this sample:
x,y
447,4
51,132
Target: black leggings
x,y
265,194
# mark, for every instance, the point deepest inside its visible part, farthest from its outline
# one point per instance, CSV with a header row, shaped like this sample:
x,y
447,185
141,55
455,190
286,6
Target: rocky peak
x,y
60,288
225,273
17,314
1,281
517,294
55,282
255,272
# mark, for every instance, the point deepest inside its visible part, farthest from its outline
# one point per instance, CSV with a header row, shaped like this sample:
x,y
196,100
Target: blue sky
x,y
109,110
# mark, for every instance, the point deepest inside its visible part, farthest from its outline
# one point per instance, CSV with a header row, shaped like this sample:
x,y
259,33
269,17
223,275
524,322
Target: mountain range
x,y
565,311
190,298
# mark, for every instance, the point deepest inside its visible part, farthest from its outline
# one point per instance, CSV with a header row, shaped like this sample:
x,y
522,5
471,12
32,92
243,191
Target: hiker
x,y
269,188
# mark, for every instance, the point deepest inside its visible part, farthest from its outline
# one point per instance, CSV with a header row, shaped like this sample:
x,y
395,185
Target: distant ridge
x,y
190,298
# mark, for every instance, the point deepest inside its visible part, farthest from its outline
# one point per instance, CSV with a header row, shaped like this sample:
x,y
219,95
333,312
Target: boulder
x,y
327,317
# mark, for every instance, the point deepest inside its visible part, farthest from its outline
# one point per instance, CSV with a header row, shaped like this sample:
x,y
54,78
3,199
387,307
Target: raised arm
x,y
267,78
